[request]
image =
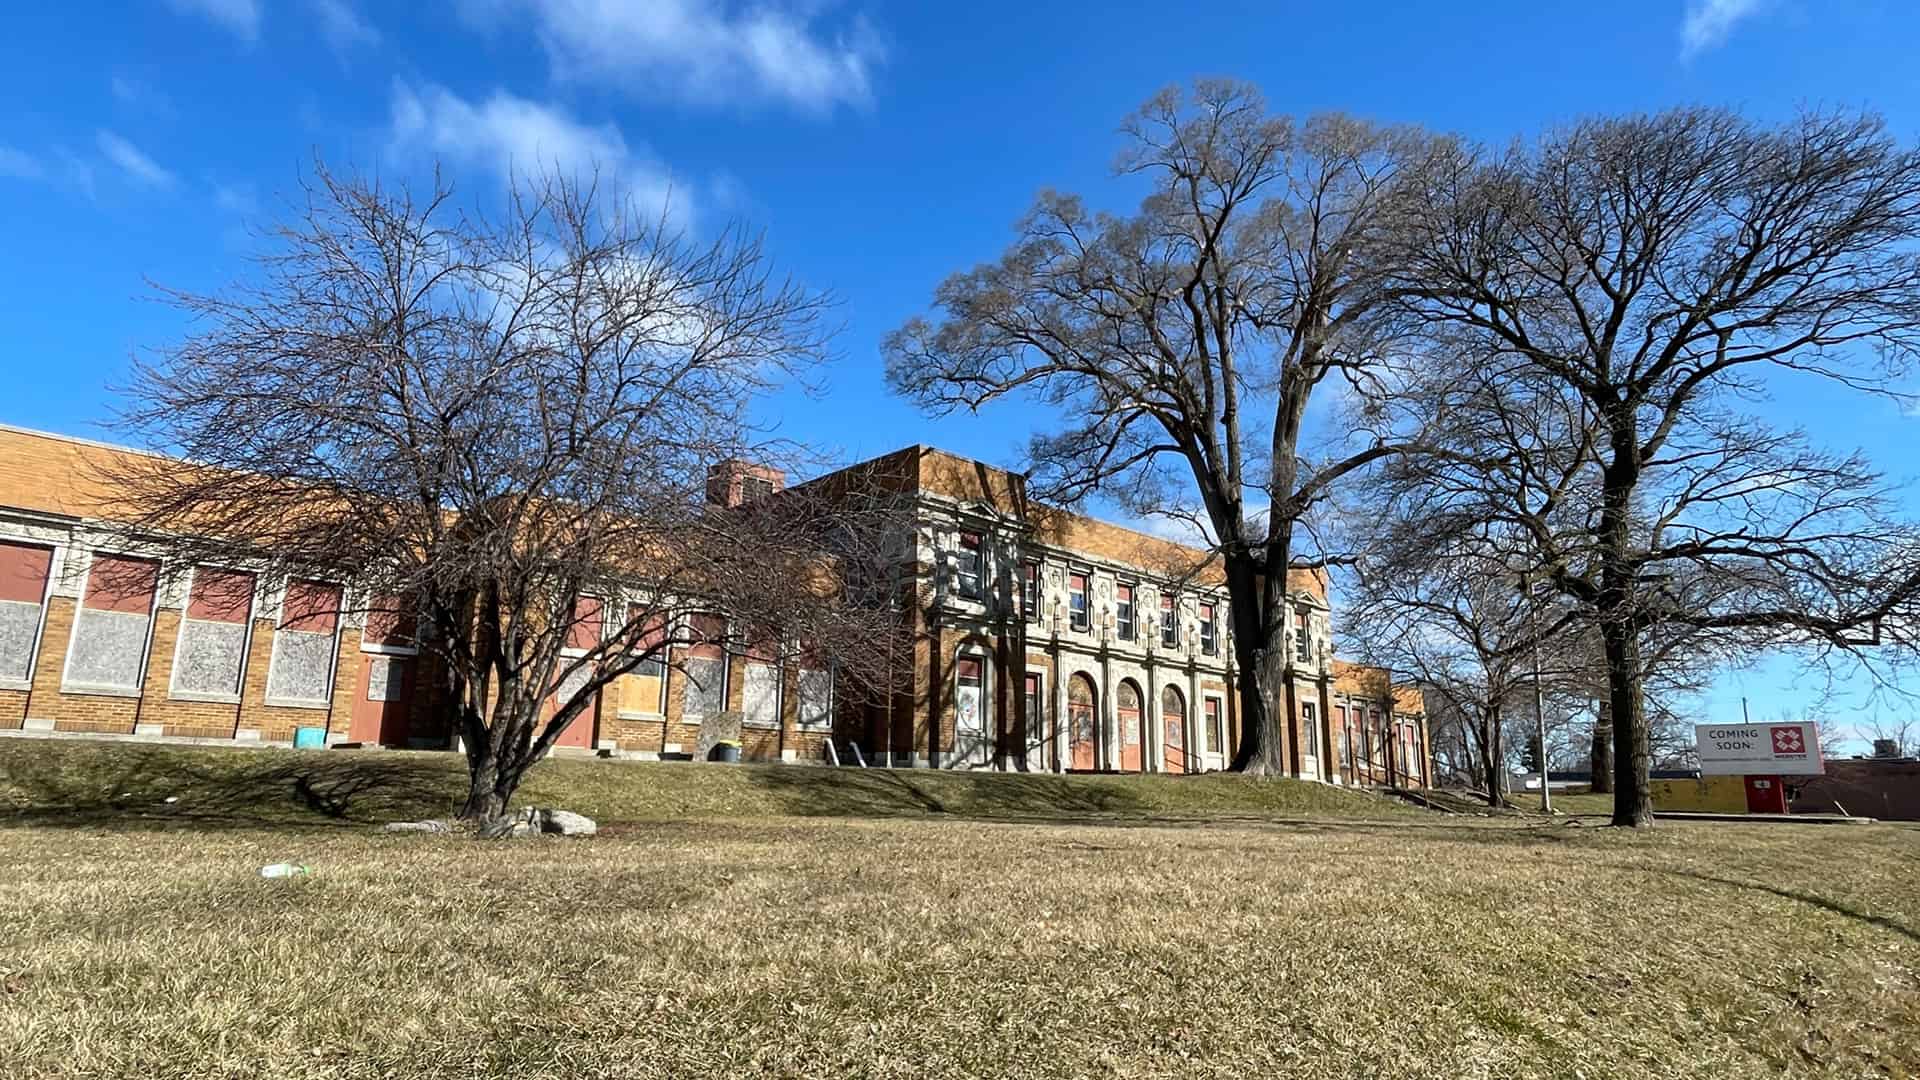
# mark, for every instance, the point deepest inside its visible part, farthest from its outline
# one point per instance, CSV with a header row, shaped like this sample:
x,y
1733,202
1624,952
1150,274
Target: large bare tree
x,y
1638,282
1180,346
500,430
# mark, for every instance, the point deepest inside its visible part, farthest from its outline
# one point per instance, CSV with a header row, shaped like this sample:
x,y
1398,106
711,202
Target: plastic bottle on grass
x,y
283,869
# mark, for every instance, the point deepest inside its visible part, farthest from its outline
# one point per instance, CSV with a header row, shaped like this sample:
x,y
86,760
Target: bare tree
x,y
1181,344
1888,736
501,432
1635,281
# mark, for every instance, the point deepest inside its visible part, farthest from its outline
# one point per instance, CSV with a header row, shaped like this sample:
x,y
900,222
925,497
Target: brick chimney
x,y
734,482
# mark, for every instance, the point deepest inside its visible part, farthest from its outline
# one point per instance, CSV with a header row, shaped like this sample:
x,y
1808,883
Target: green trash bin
x,y
309,738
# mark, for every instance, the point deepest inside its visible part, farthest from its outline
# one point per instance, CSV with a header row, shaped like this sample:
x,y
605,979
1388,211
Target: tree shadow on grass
x,y
1810,899
918,793
80,787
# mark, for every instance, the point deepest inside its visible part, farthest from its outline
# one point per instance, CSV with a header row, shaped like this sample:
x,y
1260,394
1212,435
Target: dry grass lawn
x,y
935,945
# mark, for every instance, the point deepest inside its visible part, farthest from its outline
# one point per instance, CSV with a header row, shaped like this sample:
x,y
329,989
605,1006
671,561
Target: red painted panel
x,y
220,595
709,635
23,572
390,621
311,607
119,583
585,631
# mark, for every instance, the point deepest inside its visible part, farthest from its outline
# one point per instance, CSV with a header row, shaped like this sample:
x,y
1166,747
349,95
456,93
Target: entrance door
x,y
582,636
1081,726
1173,711
1036,713
579,732
1766,795
380,706
1127,704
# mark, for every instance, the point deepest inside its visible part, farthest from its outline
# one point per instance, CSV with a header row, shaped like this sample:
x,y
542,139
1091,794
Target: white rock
x,y
567,823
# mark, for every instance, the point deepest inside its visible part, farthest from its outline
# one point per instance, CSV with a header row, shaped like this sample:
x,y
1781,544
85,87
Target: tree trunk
x,y
1602,764
1260,651
1494,758
497,759
1619,629
1633,752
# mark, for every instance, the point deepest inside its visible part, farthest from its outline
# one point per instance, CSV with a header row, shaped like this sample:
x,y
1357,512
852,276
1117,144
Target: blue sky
x,y
880,146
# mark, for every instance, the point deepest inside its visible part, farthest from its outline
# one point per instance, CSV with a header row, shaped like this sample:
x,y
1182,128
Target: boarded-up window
x,y
1127,704
969,706
760,696
1216,733
109,649
572,682
213,633
816,697
705,667
706,689
386,676
641,688
302,668
23,589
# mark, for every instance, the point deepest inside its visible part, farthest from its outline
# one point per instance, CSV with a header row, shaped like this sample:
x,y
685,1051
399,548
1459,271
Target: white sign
x,y
1759,749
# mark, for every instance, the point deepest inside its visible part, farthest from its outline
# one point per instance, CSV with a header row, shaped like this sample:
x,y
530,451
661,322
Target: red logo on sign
x,y
1788,740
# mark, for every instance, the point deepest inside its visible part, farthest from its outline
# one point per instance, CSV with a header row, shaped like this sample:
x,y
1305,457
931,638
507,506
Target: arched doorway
x,y
1080,721
1173,714
1126,703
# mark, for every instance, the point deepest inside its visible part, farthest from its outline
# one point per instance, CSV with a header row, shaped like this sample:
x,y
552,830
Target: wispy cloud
x,y
235,199
704,50
242,17
132,92
516,138
129,159
1709,22
20,165
59,167
342,26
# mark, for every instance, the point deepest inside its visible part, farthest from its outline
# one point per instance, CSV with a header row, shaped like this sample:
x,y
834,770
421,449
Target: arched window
x,y
1081,725
1173,715
1126,701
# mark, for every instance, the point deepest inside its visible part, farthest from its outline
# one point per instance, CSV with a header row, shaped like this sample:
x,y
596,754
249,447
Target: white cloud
x,y
517,138
342,26
708,51
132,92
131,161
1709,22
242,17
235,199
20,165
58,167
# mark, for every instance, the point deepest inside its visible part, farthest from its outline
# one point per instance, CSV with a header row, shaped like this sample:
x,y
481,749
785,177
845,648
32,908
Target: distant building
x,y
1032,638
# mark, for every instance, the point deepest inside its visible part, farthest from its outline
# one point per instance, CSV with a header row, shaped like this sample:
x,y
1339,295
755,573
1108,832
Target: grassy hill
x,y
87,782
